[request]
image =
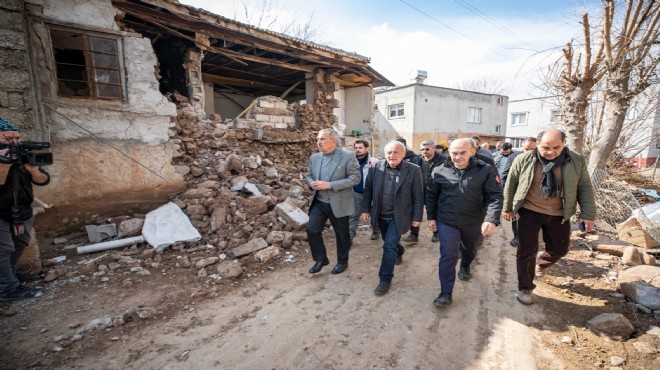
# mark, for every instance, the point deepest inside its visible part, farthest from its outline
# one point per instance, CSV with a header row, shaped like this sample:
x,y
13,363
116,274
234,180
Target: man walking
x,y
332,173
410,155
394,199
362,154
544,187
463,191
427,161
528,145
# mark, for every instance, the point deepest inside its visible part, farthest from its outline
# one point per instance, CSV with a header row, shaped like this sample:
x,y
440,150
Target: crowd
x,y
465,190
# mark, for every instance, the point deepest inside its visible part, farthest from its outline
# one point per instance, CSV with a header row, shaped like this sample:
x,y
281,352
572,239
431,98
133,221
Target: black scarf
x,y
549,185
363,158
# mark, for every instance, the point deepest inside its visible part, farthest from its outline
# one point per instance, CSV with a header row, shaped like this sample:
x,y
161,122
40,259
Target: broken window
x,y
87,65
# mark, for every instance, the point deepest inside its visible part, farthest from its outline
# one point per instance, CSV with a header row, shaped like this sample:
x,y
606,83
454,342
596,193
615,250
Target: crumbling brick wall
x,y
16,104
319,114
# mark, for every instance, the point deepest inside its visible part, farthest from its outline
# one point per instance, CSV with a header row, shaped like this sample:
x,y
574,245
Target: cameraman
x,y
15,224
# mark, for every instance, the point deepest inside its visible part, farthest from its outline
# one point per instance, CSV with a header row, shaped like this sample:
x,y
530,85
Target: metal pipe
x,y
110,245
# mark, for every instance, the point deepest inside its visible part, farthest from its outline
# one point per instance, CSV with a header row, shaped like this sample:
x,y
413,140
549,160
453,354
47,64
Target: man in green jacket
x,y
542,190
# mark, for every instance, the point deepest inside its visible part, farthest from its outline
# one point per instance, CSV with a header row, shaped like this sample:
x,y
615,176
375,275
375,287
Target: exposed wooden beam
x,y
242,71
287,91
239,82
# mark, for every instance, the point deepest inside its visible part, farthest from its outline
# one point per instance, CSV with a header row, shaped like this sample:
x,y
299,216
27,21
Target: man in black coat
x,y
427,161
410,155
393,198
464,189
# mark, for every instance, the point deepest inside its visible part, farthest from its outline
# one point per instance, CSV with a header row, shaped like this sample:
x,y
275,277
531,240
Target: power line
x,y
492,21
452,29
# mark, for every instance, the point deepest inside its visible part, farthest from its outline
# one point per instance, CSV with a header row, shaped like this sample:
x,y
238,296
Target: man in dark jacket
x,y
428,160
394,199
410,155
463,190
16,216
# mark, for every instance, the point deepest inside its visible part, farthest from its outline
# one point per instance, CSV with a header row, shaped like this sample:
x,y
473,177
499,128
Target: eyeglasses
x,y
424,149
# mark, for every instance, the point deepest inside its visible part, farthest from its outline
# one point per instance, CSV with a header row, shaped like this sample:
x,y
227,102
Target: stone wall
x,y
16,103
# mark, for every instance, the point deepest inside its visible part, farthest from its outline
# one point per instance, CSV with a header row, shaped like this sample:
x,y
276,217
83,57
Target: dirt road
x,y
289,319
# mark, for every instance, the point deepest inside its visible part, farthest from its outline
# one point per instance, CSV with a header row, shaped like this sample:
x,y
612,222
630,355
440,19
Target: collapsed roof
x,y
244,58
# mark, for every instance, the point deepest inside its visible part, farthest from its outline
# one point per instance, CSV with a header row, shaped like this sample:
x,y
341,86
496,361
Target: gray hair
x,y
332,134
395,143
427,142
562,134
474,143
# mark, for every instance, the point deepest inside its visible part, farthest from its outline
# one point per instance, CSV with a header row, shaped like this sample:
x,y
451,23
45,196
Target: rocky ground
x,y
133,308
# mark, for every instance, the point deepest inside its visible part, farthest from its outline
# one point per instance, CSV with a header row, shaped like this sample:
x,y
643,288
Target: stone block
x,y
614,325
197,193
276,112
262,117
99,233
267,254
229,269
219,217
11,5
631,257
281,104
132,227
643,293
650,274
196,210
247,248
205,262
275,119
635,231
281,125
292,215
289,119
257,205
266,104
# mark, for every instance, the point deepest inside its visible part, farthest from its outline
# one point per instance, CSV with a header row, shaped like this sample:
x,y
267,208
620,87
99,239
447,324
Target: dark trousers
x,y
514,228
451,238
319,212
11,249
392,248
556,236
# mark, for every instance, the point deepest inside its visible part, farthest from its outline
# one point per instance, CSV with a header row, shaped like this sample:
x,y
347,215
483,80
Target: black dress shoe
x,y
318,266
339,268
382,288
514,242
464,273
25,278
374,236
399,260
443,300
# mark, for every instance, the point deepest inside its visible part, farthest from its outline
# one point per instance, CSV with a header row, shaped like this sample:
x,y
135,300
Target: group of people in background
x,y
465,191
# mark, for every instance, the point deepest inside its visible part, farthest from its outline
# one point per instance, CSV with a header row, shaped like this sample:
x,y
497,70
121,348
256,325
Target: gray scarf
x,y
550,188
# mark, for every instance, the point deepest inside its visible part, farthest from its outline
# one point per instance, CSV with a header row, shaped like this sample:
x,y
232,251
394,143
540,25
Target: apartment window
x,y
555,116
497,129
657,144
87,66
474,115
499,100
396,110
518,119
517,143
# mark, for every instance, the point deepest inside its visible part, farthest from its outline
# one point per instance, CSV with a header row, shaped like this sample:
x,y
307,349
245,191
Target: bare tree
x,y
575,83
631,57
486,85
264,14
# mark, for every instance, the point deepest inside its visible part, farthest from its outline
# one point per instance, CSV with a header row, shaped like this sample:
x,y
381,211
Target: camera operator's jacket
x,y
576,185
24,193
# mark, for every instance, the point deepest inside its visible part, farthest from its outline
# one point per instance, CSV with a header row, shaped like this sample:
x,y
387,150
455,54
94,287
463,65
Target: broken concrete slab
x,y
99,233
247,248
252,189
614,325
632,257
635,230
294,216
168,225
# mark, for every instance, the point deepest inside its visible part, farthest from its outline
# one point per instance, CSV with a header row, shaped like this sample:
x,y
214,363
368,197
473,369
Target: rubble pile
x,y
320,115
246,178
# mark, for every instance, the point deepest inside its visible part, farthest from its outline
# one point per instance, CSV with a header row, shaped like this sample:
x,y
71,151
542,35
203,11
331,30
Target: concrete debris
x,y
635,231
60,240
642,293
53,261
247,248
632,257
205,262
200,293
140,270
614,325
292,215
649,274
96,324
617,361
646,348
168,225
267,254
99,233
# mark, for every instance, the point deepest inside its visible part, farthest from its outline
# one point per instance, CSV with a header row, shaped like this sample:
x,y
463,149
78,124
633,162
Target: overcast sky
x,y
453,40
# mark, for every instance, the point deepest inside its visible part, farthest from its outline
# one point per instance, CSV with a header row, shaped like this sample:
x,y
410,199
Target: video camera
x,y
22,152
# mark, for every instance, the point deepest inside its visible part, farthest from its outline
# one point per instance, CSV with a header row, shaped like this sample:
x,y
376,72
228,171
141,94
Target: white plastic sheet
x,y
652,211
167,225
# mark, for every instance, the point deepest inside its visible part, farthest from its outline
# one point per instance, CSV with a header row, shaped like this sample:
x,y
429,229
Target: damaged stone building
x,y
142,99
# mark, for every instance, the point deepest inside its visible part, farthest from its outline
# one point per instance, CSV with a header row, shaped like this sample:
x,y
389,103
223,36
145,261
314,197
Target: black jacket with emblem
x,y
471,197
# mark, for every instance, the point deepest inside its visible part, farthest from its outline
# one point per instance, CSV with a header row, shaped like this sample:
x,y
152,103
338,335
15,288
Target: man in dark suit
x,y
332,173
394,199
